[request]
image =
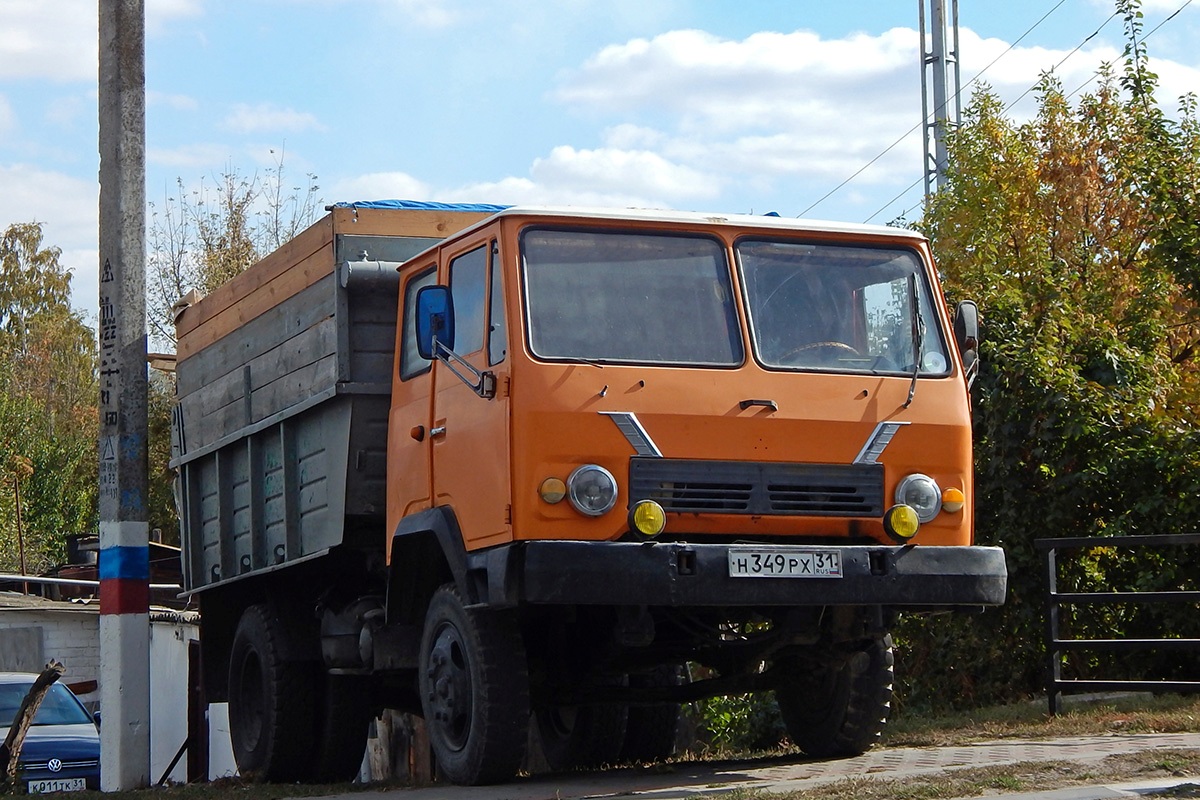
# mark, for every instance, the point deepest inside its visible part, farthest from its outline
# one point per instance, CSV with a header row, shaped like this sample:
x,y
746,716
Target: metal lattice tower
x,y
937,62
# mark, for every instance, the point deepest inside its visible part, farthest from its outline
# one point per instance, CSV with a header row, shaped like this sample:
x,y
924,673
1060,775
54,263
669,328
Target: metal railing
x,y
1056,685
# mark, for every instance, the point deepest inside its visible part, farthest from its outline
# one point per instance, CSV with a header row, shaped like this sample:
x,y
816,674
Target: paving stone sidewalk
x,y
692,780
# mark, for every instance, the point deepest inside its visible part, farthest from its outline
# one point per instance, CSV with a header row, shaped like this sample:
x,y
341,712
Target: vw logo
x,y
54,765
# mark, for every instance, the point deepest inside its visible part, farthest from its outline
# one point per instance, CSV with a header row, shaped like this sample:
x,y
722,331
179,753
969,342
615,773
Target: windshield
x,y
629,297
59,706
839,307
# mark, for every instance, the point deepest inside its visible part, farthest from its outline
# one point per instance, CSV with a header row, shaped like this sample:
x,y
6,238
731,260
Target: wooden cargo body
x,y
283,383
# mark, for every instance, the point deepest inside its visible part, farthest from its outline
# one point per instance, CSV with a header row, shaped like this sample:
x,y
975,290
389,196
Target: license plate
x,y
57,785
750,563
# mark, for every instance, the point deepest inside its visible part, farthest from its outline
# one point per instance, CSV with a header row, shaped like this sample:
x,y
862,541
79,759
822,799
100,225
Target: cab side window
x,y
497,331
411,363
468,288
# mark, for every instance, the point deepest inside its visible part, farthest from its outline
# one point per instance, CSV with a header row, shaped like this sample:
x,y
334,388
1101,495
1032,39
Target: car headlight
x,y
921,493
592,490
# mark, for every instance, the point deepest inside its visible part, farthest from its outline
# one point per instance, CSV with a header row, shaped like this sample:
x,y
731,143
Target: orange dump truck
x,y
567,469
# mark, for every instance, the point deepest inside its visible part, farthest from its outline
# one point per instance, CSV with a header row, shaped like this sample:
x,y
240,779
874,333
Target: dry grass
x,y
1131,714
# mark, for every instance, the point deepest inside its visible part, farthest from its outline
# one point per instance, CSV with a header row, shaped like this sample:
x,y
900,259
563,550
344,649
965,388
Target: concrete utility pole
x,y
124,530
935,63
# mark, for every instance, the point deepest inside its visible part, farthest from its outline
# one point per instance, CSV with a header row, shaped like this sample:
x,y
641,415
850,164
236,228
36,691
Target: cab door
x,y
409,464
470,434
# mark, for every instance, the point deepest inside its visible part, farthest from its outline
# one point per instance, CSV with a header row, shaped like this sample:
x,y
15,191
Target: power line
x,y
1154,30
920,124
1165,20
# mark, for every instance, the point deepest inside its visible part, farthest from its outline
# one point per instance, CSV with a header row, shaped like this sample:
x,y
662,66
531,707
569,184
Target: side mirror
x,y
966,325
435,319
966,335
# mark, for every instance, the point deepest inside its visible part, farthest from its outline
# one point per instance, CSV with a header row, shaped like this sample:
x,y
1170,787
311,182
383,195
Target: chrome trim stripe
x,y
880,438
627,422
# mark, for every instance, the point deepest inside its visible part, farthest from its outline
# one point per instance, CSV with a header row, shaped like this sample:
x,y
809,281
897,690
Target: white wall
x,y
70,633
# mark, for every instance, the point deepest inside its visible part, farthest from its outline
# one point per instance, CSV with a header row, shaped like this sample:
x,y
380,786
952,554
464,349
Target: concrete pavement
x,y
792,773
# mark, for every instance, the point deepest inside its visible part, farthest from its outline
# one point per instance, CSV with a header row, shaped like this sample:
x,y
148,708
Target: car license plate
x,y
57,785
747,562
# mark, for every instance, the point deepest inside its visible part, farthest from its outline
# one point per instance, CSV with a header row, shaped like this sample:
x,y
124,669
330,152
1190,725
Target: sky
x,y
799,107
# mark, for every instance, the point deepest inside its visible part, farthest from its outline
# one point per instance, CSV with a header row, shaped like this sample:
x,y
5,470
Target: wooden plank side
x,y
317,237
265,297
309,346
293,388
260,335
404,222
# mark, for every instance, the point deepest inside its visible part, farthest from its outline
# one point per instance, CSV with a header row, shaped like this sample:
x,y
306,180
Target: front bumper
x,y
685,574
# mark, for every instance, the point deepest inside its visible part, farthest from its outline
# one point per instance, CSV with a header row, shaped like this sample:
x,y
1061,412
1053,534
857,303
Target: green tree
x,y
1076,232
48,426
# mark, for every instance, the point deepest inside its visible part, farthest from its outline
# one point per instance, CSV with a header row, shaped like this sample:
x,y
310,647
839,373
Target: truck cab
x,y
665,438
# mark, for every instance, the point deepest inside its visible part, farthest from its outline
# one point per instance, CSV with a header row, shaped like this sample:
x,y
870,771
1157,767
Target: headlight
x,y
592,490
922,494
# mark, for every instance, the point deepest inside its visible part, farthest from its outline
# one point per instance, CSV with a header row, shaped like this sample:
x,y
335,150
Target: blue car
x,y
62,749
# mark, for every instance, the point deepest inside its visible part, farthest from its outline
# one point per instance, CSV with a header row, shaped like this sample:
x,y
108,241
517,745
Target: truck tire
x,y
270,701
651,731
839,710
576,737
474,684
343,722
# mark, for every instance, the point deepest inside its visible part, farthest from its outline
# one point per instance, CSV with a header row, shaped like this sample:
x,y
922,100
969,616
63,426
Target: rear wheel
x,y
839,709
581,736
474,683
270,701
343,722
652,729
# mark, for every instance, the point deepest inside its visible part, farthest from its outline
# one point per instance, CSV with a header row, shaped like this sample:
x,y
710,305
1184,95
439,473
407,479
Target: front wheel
x,y
838,709
474,683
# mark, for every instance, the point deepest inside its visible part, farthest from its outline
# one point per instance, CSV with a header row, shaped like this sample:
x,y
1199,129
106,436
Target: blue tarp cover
x,y
421,205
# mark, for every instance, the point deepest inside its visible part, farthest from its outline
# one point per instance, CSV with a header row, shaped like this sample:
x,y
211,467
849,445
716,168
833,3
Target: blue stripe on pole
x,y
130,563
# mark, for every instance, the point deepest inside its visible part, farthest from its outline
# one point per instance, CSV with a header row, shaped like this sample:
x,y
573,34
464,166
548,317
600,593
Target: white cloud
x,y
434,14
8,120
178,102
198,156
26,51
267,117
379,186
58,40
161,13
612,171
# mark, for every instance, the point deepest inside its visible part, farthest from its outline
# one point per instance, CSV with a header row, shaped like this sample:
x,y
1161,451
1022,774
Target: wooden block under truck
x,y
568,469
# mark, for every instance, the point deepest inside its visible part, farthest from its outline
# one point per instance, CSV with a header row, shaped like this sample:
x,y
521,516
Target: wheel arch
x,y
426,551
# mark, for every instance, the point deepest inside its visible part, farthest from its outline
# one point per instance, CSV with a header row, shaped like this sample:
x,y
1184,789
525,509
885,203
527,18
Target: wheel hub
x,y
450,692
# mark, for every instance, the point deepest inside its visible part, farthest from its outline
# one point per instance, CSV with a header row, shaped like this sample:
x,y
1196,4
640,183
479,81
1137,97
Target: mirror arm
x,y
482,383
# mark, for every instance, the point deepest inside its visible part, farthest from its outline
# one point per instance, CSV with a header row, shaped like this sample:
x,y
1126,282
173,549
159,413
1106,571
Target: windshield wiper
x,y
918,336
591,362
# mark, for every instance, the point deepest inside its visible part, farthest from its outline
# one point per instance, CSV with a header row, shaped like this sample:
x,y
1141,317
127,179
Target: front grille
x,y
739,487
67,766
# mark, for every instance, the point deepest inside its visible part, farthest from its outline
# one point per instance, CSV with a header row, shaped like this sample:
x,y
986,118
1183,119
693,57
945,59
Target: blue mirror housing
x,y
435,317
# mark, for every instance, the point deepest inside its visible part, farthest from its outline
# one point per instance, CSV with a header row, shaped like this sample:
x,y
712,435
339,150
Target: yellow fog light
x,y
953,500
901,522
647,518
553,490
